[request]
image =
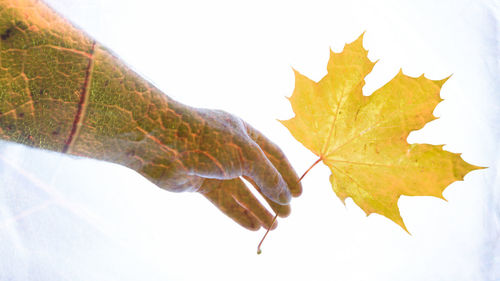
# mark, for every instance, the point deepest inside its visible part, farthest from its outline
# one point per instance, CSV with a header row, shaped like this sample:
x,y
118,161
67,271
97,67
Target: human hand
x,y
78,98
229,149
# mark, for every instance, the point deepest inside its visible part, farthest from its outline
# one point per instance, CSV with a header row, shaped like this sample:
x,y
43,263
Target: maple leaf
x,y
362,139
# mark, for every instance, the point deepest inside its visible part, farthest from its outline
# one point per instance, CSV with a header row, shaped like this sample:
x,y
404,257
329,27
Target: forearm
x,y
60,90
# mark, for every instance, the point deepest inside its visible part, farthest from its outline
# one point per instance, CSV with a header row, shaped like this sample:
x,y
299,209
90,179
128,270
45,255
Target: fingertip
x,y
272,186
284,211
285,197
293,182
271,225
221,194
296,190
252,227
275,225
247,220
280,194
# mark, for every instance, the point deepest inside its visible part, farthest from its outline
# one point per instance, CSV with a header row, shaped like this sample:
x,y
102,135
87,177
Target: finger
x,y
278,158
226,203
245,198
233,198
236,190
283,211
264,174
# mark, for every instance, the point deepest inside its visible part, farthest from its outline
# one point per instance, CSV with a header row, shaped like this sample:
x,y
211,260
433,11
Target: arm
x,y
62,91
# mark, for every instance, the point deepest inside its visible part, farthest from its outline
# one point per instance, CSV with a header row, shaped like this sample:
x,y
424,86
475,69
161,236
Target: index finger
x,y
260,169
278,159
282,210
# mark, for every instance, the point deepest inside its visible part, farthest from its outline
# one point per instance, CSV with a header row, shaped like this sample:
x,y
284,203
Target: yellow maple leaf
x,y
362,139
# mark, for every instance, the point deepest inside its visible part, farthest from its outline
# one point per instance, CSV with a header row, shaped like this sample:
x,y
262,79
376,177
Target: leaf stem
x,y
259,251
314,164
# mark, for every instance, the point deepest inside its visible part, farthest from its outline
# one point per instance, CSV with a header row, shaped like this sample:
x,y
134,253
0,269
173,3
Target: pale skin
x,y
62,91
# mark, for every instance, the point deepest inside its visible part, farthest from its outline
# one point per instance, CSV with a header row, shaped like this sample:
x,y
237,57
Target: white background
x,y
63,218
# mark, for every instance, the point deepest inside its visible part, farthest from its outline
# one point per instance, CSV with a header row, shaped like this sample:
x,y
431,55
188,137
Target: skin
x,y
62,91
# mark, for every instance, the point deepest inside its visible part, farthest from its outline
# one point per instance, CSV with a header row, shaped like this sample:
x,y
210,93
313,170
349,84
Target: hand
x,y
84,101
227,150
260,162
